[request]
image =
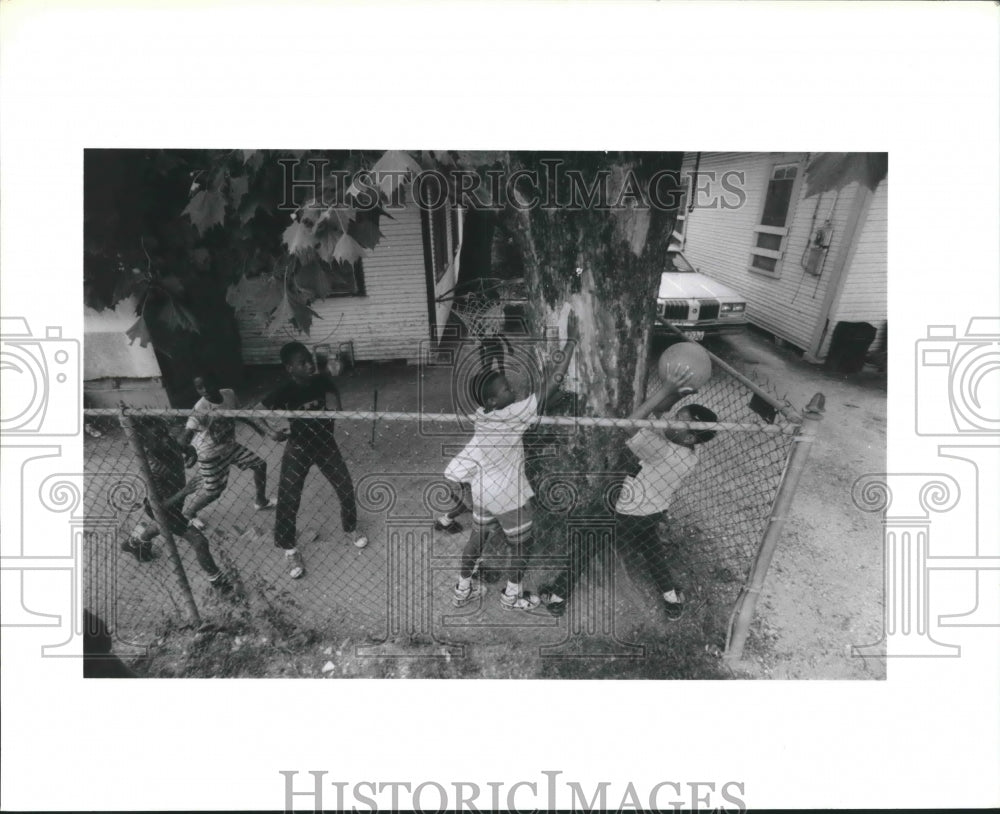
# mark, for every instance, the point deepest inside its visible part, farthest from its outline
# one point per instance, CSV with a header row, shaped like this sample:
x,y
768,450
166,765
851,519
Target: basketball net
x,y
483,316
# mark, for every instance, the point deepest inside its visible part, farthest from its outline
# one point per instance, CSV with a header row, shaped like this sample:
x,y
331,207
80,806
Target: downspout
x,y
694,186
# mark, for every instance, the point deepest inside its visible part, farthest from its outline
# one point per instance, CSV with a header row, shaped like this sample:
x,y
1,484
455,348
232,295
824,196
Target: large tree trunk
x,y
215,348
601,264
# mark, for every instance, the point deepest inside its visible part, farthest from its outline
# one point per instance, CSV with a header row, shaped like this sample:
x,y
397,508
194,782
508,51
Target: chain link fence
x,y
598,542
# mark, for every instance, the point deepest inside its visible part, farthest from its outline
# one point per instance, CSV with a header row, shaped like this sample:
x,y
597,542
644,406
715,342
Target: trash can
x,y
849,346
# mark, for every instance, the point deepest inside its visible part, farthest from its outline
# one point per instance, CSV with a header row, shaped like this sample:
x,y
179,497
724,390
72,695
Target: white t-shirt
x,y
206,439
664,465
493,461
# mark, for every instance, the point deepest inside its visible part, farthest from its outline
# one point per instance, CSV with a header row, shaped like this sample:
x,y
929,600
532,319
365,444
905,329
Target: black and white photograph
x,y
480,345
493,406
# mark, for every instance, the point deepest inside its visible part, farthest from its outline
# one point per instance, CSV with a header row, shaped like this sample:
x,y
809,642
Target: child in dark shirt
x,y
311,443
166,464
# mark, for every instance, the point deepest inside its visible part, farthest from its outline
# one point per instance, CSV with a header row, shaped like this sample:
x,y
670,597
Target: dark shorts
x,y
176,522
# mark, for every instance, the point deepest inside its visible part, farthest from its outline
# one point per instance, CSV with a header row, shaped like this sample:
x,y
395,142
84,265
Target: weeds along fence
x,y
395,595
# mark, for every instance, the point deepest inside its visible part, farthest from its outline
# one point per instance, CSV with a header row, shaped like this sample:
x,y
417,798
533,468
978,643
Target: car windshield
x,y
678,262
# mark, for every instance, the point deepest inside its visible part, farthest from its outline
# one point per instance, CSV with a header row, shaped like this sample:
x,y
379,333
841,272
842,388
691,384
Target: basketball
x,y
691,354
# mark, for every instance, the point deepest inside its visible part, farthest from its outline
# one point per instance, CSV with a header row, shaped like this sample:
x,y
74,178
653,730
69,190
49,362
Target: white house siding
x,y
390,322
864,297
719,242
115,369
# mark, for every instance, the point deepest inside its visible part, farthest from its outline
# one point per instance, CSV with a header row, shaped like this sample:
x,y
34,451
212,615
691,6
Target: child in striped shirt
x,y
212,440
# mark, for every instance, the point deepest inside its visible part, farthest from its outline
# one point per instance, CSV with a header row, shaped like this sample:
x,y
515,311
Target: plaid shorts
x,y
516,524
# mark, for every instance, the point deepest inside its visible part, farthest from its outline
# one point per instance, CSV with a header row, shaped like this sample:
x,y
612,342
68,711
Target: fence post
x,y
739,625
161,518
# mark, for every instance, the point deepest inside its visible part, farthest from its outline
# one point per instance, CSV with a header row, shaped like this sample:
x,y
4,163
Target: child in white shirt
x,y
492,463
664,460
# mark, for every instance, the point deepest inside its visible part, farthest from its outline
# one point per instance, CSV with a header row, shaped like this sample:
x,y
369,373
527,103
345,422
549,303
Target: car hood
x,y
688,285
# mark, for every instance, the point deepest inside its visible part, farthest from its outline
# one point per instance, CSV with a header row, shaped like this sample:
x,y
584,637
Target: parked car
x,y
696,304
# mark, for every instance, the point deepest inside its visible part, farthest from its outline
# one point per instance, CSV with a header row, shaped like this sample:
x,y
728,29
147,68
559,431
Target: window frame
x,y
680,219
783,232
359,282
442,228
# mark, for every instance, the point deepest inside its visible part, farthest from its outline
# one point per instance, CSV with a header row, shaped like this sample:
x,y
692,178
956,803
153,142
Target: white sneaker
x,y
296,567
198,523
359,540
473,592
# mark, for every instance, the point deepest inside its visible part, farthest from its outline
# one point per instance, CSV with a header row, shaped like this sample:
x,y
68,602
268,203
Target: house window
x,y
677,236
439,241
346,280
772,232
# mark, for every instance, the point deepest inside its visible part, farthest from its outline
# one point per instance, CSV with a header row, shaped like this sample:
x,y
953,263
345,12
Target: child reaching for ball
x,y
492,463
658,461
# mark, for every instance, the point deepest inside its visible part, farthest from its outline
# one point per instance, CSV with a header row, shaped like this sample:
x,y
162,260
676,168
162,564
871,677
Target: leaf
x,y
832,171
254,159
312,278
140,331
281,316
312,213
366,233
260,262
291,310
268,295
249,206
479,158
433,159
326,245
172,285
176,317
237,189
127,284
303,315
298,237
206,209
241,295
201,258
342,216
394,168
348,250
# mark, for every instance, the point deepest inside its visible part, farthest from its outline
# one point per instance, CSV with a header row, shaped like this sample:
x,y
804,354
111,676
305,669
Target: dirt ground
x,y
824,590
822,595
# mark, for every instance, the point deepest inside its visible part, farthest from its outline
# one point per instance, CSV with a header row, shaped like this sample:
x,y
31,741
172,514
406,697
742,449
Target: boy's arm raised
x,y
332,393
672,390
553,378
